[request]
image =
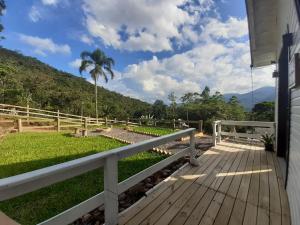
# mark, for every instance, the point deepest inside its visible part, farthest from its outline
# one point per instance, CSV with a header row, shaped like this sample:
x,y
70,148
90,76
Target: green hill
x,y
24,78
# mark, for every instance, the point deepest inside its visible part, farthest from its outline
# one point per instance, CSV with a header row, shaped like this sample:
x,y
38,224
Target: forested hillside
x,y
25,79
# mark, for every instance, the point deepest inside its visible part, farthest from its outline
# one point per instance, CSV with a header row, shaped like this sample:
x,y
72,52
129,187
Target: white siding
x,y
288,15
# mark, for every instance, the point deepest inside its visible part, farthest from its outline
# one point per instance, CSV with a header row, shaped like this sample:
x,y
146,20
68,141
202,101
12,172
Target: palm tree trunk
x,y
96,99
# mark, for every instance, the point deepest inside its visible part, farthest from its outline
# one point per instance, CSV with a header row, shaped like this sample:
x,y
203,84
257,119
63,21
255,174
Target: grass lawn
x,y
25,152
154,130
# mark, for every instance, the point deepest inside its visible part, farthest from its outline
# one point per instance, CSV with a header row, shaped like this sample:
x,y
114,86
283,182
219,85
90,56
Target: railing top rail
x,y
248,123
23,183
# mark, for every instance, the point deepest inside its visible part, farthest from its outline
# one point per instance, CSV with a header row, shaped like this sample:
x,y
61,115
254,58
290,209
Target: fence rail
x,y
66,120
257,129
24,183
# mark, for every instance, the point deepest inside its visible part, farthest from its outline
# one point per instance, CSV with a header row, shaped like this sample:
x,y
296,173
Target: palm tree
x,y
99,65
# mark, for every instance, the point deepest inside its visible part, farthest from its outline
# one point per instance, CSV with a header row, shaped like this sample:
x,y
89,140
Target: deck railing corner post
x,y
193,152
219,132
214,135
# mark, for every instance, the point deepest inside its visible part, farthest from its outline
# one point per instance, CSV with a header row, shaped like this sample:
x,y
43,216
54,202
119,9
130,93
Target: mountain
x,y
24,78
260,95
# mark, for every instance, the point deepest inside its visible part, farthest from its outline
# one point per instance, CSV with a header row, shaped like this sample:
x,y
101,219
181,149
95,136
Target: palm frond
x,y
85,55
84,65
109,70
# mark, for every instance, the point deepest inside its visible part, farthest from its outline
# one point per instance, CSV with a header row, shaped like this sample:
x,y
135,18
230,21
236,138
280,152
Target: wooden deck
x,y
235,184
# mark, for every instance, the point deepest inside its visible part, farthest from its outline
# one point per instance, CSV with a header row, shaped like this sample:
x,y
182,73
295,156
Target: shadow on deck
x,y
234,184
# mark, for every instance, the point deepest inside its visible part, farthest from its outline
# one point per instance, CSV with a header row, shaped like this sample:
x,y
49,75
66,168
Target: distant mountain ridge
x,y
260,95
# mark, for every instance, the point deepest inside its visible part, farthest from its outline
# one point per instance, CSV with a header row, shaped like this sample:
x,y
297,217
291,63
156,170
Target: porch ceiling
x,y
262,16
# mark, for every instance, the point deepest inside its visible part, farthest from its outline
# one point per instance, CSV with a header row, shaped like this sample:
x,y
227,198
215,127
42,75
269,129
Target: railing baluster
x,y
219,132
111,190
193,152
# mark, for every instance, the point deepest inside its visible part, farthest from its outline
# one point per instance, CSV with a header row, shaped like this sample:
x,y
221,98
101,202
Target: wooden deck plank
x,y
173,210
250,215
264,194
238,212
275,204
235,184
159,211
225,211
254,183
187,209
201,208
237,178
245,183
213,209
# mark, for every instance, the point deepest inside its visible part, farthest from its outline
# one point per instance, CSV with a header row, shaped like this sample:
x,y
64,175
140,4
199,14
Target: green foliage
x,y
264,111
268,140
25,152
53,89
159,109
153,130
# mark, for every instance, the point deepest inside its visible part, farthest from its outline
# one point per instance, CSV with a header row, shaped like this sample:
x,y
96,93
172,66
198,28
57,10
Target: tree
x,y
172,98
159,109
99,65
205,93
264,111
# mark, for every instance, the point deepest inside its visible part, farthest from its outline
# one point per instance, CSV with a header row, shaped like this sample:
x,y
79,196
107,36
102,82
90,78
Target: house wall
x,y
288,20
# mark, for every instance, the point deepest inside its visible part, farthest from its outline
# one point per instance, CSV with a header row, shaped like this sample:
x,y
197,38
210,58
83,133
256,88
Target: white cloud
x,y
86,39
34,14
222,65
75,64
143,25
50,2
42,46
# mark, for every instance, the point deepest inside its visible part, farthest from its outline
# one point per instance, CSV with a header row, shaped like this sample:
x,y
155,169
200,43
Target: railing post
x,y
127,121
111,205
193,153
20,127
140,122
214,136
106,124
219,132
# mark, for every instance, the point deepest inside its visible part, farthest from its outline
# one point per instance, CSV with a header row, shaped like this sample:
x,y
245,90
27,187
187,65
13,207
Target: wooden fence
x,y
24,183
60,120
251,129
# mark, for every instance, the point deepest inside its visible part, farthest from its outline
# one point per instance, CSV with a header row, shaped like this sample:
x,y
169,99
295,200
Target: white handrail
x,y
217,129
24,183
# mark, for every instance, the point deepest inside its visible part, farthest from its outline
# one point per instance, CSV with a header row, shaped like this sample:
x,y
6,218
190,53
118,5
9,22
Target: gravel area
x,y
202,143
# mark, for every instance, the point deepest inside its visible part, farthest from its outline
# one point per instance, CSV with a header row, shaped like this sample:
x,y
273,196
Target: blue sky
x,y
158,46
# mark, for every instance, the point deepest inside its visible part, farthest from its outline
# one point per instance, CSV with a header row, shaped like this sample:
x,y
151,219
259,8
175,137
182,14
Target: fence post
x,y
140,122
219,132
115,120
27,113
106,124
111,190
200,125
85,122
127,121
193,153
58,122
174,124
214,136
20,127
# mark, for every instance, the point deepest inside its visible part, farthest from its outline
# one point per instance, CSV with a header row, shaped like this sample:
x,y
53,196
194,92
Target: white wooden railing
x,y
258,128
24,183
